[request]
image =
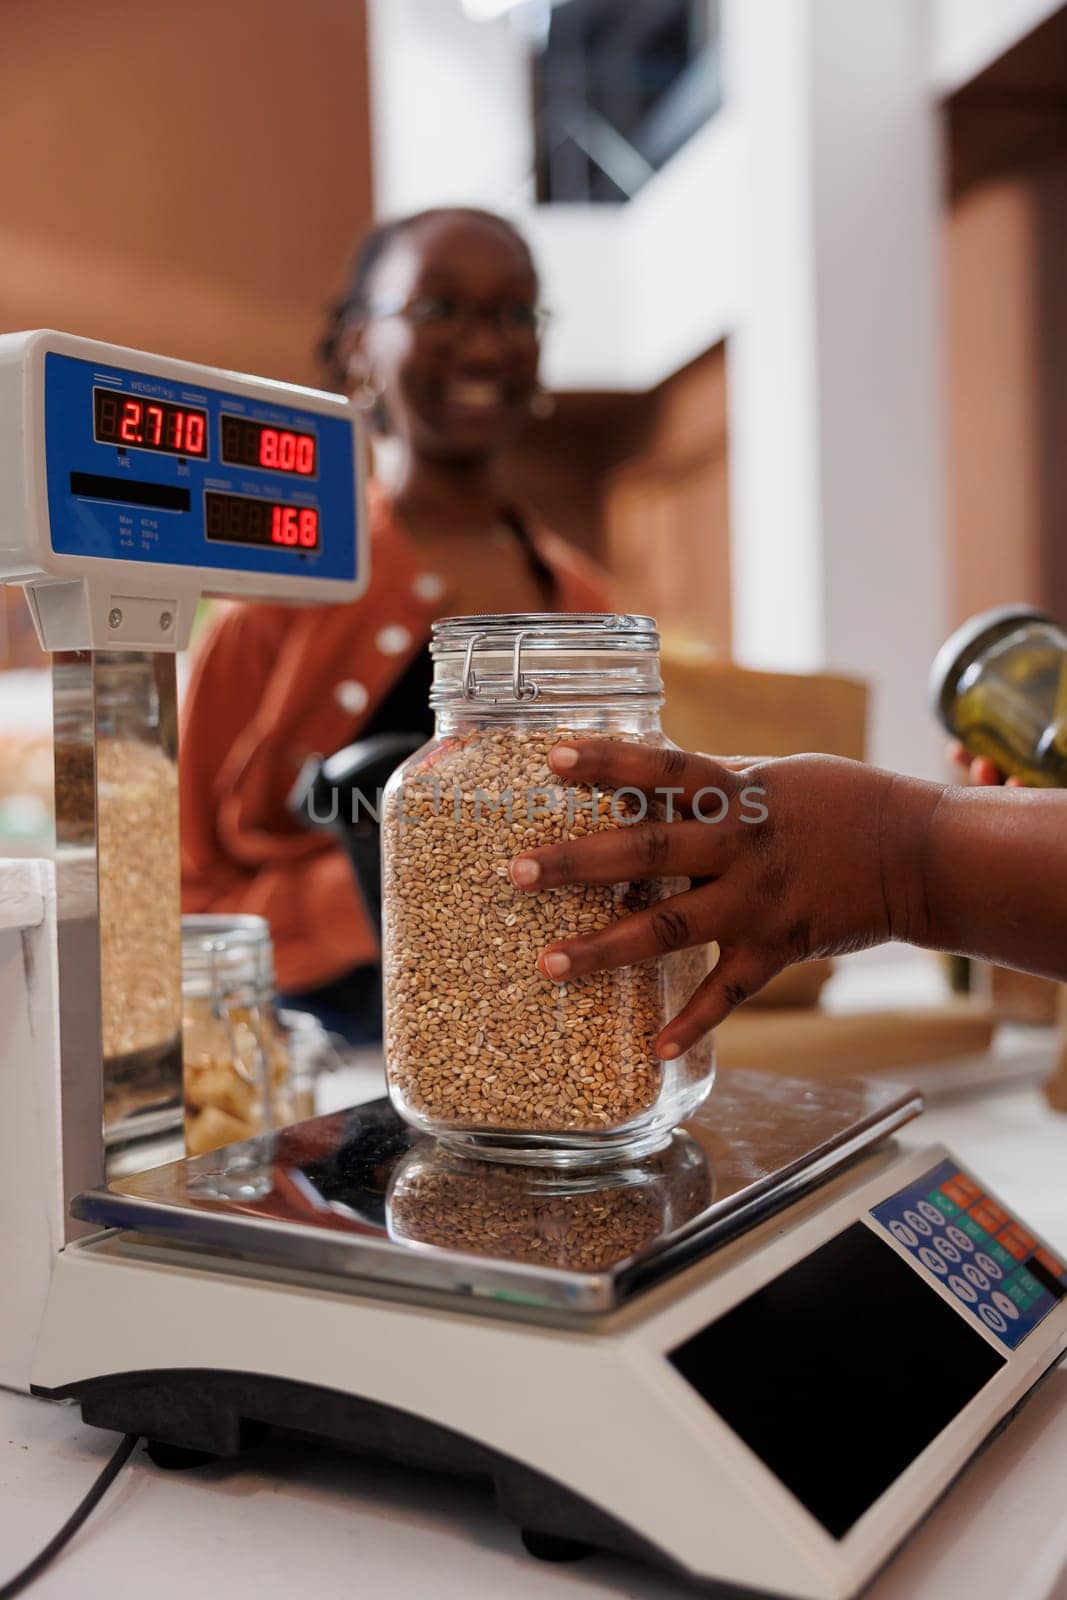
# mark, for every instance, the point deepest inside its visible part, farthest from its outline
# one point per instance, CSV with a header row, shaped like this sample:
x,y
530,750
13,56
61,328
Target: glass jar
x,y
581,1222
481,1050
117,786
236,1051
312,1055
999,685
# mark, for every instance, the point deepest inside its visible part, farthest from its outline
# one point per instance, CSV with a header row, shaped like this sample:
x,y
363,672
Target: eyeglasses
x,y
441,317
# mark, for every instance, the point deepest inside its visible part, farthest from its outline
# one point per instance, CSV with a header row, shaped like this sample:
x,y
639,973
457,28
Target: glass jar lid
x,y
506,660
227,958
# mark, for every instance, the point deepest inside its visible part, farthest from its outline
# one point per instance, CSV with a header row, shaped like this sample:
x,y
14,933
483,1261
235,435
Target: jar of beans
x,y
481,1049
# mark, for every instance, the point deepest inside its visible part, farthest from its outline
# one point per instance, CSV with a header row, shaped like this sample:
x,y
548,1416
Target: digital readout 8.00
x,y
257,444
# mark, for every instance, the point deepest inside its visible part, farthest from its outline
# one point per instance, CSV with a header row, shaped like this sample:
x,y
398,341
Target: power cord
x,y
23,1579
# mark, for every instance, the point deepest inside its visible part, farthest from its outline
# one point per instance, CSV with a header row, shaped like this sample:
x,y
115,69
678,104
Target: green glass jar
x,y
999,685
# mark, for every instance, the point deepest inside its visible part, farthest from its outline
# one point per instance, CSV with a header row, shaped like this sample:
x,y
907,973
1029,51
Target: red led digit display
x,y
124,420
295,526
257,444
245,519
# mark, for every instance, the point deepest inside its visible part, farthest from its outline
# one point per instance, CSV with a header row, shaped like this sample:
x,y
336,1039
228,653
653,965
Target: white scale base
x,y
857,1382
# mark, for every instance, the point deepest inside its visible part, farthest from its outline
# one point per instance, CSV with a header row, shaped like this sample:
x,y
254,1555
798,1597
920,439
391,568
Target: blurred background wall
x,y
185,179
182,178
805,259
1006,302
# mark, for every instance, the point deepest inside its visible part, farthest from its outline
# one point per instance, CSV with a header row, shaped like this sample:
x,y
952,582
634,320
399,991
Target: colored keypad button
x,y
989,1216
1032,1288
1052,1266
979,1252
1017,1241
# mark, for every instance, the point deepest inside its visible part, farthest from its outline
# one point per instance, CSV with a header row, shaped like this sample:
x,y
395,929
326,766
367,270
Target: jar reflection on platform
x,y
579,1221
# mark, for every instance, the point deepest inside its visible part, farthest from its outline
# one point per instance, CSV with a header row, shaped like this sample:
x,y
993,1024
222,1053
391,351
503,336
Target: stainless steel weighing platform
x,y
323,1195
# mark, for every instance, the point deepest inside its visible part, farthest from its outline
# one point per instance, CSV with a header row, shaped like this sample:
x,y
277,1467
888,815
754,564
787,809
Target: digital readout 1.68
x,y
244,519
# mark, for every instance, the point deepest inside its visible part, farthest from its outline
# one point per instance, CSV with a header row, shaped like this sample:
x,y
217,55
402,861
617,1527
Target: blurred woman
x,y
438,341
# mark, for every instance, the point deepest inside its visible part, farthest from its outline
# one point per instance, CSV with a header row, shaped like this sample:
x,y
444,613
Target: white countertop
x,y
297,1519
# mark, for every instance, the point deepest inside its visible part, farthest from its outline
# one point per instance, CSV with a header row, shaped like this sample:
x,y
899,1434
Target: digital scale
x,y
756,1358
133,484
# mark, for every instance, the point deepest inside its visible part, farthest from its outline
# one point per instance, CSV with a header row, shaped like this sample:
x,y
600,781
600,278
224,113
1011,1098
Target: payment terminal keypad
x,y
977,1250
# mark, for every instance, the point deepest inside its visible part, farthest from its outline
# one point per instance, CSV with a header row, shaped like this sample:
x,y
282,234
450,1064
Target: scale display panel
x,y
164,471
997,1270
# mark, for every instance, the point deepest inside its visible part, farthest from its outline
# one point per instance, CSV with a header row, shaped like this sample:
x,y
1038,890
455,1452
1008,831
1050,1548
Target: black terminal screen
x,y
839,1373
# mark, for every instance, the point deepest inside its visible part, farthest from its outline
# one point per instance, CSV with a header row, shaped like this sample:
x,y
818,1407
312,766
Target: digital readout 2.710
x,y
148,424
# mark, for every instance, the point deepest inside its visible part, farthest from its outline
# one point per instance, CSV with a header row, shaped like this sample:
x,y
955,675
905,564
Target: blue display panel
x,y
984,1256
136,471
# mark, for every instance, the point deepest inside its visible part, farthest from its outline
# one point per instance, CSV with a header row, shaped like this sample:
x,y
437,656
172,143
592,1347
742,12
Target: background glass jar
x,y
236,1051
999,684
481,1050
126,802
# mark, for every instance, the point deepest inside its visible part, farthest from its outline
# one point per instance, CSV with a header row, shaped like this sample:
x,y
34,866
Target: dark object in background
x,y
619,87
341,794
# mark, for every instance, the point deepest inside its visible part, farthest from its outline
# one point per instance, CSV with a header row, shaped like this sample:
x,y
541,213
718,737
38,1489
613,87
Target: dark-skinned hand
x,y
813,856
816,876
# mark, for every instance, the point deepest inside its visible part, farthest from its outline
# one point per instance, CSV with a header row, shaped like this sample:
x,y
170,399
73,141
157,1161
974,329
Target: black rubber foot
x,y
175,1457
546,1547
